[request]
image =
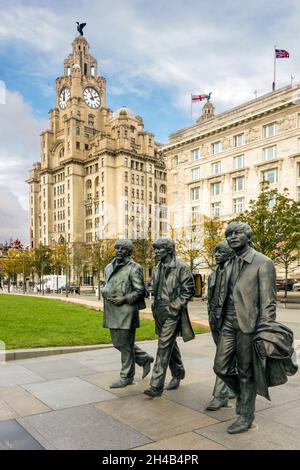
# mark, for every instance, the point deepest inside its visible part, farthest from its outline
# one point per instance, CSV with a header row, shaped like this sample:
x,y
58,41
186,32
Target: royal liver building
x,y
99,174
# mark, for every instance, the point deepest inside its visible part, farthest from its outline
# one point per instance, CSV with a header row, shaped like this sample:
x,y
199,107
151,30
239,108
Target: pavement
x,y
64,402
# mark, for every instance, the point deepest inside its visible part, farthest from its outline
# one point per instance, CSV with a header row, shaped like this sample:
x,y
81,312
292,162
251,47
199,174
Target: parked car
x,y
281,284
296,285
72,287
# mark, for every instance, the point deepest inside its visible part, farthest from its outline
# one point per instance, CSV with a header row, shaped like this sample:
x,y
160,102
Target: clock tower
x,y
99,175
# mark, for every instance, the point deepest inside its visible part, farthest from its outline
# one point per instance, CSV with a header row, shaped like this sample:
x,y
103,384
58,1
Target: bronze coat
x,y
126,280
254,293
180,286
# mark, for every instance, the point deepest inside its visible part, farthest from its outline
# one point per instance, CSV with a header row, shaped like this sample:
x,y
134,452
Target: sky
x,y
153,53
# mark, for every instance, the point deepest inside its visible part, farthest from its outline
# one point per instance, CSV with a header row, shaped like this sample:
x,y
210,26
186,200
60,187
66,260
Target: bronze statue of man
x,y
124,293
173,286
250,299
223,253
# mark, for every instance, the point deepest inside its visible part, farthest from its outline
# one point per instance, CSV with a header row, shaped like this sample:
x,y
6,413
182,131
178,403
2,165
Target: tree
x,y
42,263
59,259
79,260
143,254
275,220
10,264
102,251
196,243
25,259
213,233
189,245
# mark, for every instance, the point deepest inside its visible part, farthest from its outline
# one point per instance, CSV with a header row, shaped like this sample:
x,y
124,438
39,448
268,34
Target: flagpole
x,y
274,81
191,109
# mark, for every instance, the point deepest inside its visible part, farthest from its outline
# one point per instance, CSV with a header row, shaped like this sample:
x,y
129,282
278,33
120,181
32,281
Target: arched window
x,y
163,188
97,181
61,153
68,70
88,184
92,70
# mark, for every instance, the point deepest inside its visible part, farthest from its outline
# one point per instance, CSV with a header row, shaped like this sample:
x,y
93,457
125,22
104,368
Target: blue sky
x,y
154,54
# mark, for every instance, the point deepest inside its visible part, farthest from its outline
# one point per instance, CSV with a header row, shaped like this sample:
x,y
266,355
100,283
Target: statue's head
x,y
163,247
238,235
223,252
123,248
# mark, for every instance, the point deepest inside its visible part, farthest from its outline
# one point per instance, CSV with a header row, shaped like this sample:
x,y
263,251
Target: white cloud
x,y
19,148
13,217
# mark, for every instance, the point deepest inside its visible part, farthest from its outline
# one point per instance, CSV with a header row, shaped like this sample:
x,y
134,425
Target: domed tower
x,y
208,112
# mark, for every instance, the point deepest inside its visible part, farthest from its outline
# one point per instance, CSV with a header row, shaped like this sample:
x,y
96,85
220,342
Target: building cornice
x,y
248,116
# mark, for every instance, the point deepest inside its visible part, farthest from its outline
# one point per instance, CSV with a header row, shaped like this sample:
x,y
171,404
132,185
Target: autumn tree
x,y
42,263
275,220
101,252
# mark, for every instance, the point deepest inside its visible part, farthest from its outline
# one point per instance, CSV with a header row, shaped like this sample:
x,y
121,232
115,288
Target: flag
x,y
199,97
281,54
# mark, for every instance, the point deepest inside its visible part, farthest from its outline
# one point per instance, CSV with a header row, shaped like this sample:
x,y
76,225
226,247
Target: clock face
x,y
64,97
91,97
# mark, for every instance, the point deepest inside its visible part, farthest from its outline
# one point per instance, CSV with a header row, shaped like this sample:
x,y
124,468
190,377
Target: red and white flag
x,y
281,54
199,97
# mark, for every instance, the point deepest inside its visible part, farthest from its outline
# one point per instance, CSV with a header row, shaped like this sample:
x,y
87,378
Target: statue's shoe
x,y
121,383
147,367
153,392
174,383
241,424
217,403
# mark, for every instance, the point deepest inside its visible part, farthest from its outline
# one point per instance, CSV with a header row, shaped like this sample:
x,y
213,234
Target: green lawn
x,y
30,322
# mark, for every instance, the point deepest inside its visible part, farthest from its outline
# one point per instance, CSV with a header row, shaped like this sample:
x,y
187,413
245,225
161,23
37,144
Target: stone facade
x,y
100,175
215,166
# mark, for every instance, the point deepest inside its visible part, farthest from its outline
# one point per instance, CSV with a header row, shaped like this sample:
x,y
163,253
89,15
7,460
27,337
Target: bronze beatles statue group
x,y
253,351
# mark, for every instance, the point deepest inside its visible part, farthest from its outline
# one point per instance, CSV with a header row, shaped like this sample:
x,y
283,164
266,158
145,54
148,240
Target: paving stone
x,y
11,374
186,441
197,395
6,412
263,436
22,402
52,370
65,393
104,379
15,437
157,418
287,414
84,427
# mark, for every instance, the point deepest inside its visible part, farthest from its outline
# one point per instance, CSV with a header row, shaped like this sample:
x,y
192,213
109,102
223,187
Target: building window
x,y
270,175
239,183
216,147
195,154
239,205
216,168
239,140
142,181
77,145
77,130
195,173
89,237
298,170
195,193
270,130
89,184
215,188
216,209
126,176
298,194
195,214
270,152
92,70
238,162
